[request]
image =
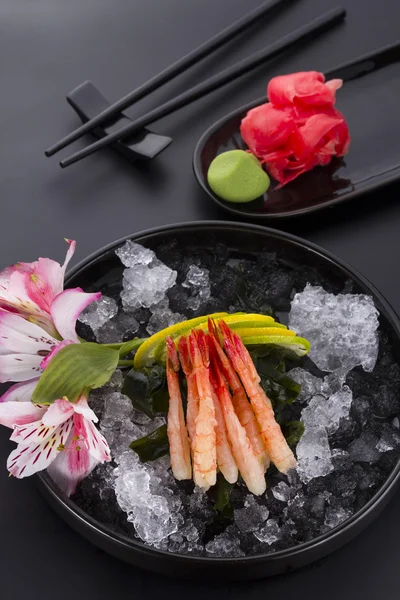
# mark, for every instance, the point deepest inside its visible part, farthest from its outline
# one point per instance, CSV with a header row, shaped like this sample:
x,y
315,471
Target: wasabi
x,y
237,176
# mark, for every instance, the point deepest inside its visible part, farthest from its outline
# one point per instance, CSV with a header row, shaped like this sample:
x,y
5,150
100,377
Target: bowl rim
x,y
123,541
230,206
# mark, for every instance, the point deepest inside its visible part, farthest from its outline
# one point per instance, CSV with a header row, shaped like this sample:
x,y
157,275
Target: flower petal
x,y
82,407
45,282
19,367
70,253
58,412
19,335
70,468
96,443
17,295
20,413
26,460
66,308
20,392
38,432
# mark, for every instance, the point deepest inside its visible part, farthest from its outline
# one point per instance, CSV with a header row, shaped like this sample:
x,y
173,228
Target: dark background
x,y
47,47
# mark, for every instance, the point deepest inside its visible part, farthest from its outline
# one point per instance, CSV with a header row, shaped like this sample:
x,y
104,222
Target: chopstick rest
x,y
87,101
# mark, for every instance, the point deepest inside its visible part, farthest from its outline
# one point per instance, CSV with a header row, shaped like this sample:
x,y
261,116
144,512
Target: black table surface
x,y
47,47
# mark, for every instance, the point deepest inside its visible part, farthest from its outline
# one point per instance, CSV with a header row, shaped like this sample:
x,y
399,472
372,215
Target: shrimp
x,y
192,409
177,434
225,460
239,399
204,452
274,440
250,467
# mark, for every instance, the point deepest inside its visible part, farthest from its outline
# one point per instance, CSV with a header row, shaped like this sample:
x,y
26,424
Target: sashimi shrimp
x,y
204,451
192,408
240,402
225,460
274,440
177,434
249,465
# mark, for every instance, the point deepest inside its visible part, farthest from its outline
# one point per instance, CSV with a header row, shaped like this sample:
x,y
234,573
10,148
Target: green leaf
x,y
293,432
289,384
75,368
147,390
136,387
152,446
128,347
160,400
222,493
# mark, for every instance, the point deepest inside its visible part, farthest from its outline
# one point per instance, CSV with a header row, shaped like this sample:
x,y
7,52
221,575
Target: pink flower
x,y
30,288
37,320
60,437
26,348
299,128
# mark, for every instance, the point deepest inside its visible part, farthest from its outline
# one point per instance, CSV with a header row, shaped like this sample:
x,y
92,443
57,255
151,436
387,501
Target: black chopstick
x,y
170,72
318,25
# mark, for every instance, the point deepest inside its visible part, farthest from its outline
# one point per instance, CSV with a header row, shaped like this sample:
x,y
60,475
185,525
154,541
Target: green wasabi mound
x,y
237,176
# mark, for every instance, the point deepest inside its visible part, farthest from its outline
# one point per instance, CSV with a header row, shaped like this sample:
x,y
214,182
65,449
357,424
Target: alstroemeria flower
x,y
26,348
30,288
61,438
299,128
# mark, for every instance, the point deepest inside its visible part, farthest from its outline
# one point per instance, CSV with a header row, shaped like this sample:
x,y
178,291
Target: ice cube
x,y
251,515
389,440
317,386
132,254
313,454
283,492
114,331
162,317
342,329
98,313
145,285
335,516
117,409
310,384
198,282
150,504
328,412
225,545
269,533
364,449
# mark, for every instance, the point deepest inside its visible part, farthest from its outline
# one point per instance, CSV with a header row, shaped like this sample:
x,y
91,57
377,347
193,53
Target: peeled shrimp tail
x,y
176,428
204,448
225,460
274,440
240,402
192,407
249,466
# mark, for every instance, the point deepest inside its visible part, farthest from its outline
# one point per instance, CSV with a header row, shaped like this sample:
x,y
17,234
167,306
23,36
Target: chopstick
x,y
170,72
318,25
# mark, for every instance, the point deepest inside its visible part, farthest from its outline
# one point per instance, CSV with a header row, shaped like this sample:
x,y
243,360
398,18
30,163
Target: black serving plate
x,y
369,101
104,268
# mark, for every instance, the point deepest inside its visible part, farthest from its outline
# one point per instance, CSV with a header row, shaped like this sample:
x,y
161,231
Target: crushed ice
x,y
98,313
198,282
342,329
146,279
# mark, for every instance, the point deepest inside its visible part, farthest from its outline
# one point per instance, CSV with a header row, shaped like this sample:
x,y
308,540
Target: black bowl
x,y
103,266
